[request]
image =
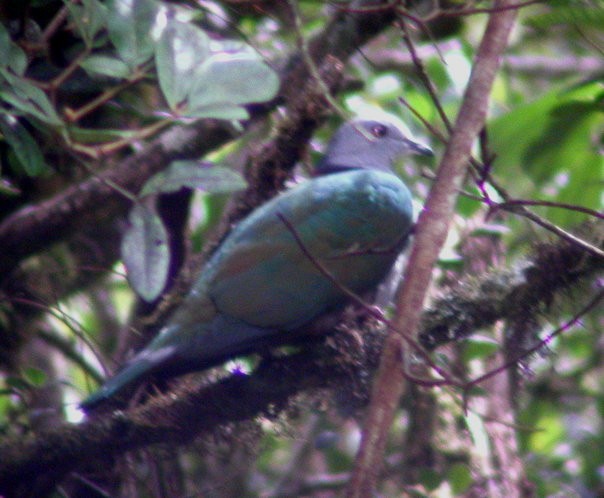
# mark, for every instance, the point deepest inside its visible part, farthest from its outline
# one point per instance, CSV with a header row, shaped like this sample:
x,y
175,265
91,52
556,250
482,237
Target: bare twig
x,y
510,203
310,63
523,211
544,342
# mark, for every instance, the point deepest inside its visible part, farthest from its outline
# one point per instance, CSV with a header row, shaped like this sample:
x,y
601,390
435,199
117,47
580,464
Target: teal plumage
x,y
259,285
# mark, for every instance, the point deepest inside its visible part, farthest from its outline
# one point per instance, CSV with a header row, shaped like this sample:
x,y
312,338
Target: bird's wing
x,y
352,225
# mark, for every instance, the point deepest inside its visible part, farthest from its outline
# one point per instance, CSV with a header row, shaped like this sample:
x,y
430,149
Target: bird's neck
x,y
329,168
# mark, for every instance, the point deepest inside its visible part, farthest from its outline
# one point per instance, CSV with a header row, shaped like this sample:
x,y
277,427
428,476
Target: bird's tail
x,y
182,348
132,373
156,357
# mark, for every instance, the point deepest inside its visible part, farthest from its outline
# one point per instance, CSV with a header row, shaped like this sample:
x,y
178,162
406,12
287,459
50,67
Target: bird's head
x,y
367,144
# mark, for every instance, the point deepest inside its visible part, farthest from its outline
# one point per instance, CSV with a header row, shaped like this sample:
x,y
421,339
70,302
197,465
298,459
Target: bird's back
x,y
352,224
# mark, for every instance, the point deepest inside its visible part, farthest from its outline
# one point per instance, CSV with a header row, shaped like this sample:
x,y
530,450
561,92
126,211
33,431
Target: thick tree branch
x,y
93,201
31,466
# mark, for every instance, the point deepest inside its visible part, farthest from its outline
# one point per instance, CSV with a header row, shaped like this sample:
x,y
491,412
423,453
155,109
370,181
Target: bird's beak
x,y
418,148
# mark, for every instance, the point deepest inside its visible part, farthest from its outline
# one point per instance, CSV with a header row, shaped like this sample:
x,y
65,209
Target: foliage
x,y
92,96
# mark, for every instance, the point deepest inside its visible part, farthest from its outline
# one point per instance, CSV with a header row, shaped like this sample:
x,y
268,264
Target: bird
x,y
293,259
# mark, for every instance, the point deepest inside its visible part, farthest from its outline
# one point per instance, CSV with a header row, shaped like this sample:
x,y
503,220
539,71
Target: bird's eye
x,y
379,130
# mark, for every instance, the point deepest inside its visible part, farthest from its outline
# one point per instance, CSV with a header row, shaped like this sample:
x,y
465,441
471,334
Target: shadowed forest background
x,y
135,133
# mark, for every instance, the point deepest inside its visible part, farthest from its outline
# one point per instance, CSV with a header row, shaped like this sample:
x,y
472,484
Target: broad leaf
x,y
460,478
222,110
226,80
106,66
547,146
145,252
35,376
23,145
180,51
479,346
130,24
13,56
27,99
193,174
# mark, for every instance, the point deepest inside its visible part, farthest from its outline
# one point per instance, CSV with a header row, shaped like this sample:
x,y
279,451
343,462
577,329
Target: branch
x,y
529,287
48,456
431,234
34,228
539,65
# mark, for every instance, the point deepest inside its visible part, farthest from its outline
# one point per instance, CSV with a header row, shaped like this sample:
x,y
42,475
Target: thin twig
x,y
491,10
421,70
541,344
310,64
511,203
54,25
96,152
64,346
523,211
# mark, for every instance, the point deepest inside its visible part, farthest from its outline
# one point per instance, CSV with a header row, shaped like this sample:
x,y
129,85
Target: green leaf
x,y
105,66
98,135
35,376
14,57
579,15
429,478
17,384
27,99
546,149
226,80
23,145
145,252
550,430
89,18
180,51
130,24
460,477
467,206
194,174
219,111
479,347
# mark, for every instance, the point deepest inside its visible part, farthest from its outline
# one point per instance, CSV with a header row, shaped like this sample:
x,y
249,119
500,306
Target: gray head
x,y
367,144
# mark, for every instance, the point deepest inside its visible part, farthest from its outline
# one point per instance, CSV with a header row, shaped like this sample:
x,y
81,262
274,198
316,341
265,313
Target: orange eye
x,y
379,131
